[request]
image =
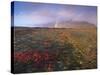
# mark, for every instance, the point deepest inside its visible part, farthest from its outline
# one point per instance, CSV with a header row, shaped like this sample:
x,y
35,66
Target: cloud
x,y
49,14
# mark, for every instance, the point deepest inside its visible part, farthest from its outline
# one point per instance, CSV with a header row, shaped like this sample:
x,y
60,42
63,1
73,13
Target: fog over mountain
x,y
65,24
75,24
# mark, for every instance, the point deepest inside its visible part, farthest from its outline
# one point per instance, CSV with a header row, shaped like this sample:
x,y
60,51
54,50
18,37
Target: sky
x,y
36,14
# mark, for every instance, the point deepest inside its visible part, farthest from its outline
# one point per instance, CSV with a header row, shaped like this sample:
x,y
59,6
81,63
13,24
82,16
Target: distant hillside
x,y
63,24
75,24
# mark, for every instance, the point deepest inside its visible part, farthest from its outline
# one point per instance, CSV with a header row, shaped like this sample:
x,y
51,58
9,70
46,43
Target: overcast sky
x,y
34,14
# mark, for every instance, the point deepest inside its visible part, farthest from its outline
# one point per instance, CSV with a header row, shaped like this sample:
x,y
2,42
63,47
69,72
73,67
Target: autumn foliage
x,y
51,49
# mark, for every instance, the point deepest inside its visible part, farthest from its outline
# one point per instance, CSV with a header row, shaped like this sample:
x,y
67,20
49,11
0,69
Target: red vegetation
x,y
34,56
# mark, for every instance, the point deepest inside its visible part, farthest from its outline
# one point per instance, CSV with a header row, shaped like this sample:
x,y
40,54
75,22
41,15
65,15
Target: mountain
x,y
75,24
63,24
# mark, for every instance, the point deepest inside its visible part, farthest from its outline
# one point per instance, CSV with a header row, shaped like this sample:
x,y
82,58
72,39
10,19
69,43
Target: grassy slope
x,y
73,48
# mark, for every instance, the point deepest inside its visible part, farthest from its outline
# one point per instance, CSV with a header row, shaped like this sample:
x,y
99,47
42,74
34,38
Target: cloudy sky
x,y
35,14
